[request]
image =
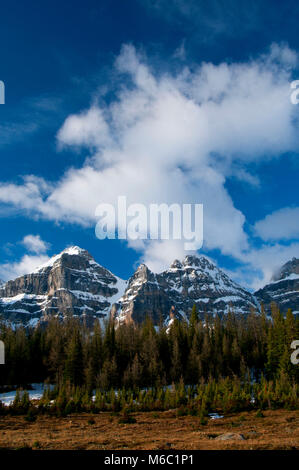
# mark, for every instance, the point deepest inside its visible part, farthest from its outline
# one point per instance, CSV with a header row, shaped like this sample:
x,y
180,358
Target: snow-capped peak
x,y
71,250
192,261
176,264
70,283
282,289
289,270
74,250
195,261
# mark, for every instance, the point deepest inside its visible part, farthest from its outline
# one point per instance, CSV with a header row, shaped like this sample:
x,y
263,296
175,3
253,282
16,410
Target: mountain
x,y
172,293
71,283
283,288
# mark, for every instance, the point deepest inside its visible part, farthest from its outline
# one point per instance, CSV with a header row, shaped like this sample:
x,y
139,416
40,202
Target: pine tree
x,y
109,339
74,361
194,319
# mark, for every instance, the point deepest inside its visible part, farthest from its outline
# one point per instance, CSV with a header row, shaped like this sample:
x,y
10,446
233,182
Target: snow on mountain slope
x,y
70,283
195,280
283,288
73,283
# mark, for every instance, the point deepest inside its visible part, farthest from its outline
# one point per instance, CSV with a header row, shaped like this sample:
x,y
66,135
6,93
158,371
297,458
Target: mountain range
x,y
73,283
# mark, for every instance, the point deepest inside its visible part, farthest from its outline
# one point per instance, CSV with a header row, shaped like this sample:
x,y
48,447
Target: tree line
x,y
225,395
131,356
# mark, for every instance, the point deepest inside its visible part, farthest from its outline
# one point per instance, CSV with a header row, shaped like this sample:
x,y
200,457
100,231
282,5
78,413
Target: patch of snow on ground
x,y
215,416
7,398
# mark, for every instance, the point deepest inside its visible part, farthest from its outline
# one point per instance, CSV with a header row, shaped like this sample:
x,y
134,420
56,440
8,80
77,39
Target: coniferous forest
x,y
223,363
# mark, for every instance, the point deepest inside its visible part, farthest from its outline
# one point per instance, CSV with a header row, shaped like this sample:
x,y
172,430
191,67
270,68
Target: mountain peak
x,y
196,261
74,250
143,272
289,268
176,264
71,250
70,283
195,280
193,261
142,268
282,289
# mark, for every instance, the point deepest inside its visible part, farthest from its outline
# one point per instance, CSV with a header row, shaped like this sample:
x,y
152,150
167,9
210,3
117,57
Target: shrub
x,y
259,414
36,445
182,411
31,416
126,418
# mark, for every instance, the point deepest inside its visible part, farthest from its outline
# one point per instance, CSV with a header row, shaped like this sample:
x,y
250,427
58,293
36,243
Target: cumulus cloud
x,y
88,128
35,244
262,262
159,254
30,196
25,265
173,138
28,262
280,225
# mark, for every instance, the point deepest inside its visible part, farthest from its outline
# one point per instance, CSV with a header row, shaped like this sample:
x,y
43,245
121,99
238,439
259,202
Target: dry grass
x,y
278,429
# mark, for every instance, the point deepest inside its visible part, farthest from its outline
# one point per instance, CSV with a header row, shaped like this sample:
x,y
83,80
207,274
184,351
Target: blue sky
x,y
101,88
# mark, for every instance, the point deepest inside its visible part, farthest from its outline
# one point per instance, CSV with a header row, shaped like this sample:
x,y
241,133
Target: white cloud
x,y
261,263
35,244
30,196
159,254
282,55
88,128
28,263
173,138
25,265
282,224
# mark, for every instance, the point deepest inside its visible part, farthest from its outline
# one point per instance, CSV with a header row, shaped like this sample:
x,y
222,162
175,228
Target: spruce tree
x,y
74,360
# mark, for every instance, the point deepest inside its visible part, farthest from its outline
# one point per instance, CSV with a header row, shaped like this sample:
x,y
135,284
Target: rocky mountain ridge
x,y
283,288
73,283
172,293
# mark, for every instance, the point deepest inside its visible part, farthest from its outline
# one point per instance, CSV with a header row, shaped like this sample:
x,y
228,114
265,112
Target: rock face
x,y
172,293
283,289
71,283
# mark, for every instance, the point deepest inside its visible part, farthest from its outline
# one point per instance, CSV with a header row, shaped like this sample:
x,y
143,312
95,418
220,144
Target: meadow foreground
x,y
277,429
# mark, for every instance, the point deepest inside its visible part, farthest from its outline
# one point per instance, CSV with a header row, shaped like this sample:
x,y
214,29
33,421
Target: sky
x,y
170,101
